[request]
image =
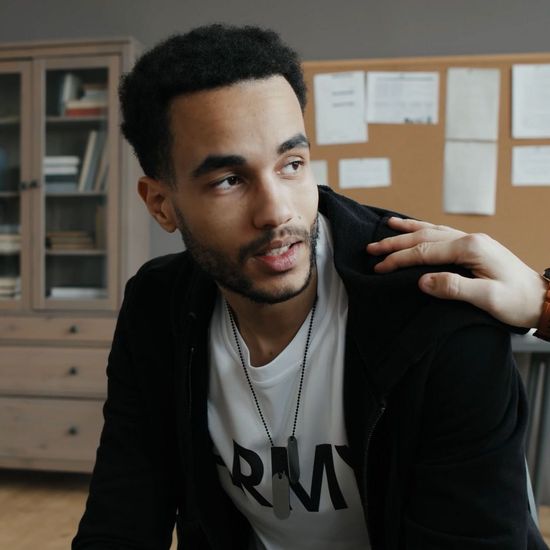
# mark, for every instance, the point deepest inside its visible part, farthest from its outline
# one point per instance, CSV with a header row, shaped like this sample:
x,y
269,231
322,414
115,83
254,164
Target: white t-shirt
x,y
326,511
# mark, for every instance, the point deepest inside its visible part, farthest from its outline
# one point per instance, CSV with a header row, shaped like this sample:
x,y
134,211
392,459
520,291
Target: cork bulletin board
x,y
416,153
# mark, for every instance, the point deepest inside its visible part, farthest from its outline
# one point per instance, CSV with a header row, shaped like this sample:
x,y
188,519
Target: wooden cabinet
x,y
72,231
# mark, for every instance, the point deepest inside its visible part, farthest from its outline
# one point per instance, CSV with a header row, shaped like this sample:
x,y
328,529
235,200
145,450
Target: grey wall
x,y
320,29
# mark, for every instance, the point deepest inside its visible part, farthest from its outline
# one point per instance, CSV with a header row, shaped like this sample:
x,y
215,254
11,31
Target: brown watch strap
x,y
543,329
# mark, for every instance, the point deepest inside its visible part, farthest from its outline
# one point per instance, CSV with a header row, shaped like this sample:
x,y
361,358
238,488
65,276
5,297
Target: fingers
x,y
423,253
407,224
416,232
451,286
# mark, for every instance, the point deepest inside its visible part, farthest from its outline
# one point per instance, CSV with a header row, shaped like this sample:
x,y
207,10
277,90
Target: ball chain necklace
x,y
285,464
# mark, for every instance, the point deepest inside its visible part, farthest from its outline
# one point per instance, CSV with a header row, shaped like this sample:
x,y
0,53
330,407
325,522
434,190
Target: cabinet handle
x,y
73,430
23,186
73,329
34,184
73,371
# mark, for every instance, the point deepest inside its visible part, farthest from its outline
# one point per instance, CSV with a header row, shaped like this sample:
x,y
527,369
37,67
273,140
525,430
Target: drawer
x,y
49,429
64,329
53,371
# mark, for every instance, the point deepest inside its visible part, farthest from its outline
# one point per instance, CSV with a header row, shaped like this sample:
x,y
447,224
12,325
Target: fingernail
x,y
428,282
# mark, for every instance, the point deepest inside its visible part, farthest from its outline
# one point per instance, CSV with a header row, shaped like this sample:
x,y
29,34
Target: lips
x,y
277,248
280,256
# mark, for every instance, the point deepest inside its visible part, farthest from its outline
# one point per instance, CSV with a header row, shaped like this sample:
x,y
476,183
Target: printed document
x,y
531,101
472,104
340,108
402,97
531,165
365,172
470,177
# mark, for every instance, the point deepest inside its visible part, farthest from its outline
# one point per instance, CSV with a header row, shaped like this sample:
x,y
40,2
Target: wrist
x,y
543,323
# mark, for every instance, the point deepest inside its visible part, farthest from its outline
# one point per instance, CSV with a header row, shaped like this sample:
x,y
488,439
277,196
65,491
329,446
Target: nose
x,y
272,205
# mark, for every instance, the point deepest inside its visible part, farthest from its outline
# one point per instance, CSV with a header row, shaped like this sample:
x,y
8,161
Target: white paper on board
x,y
472,104
531,165
340,108
320,171
470,178
402,97
531,101
365,172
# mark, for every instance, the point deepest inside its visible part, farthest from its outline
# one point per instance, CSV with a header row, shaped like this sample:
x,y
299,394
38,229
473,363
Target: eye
x,y
226,183
292,168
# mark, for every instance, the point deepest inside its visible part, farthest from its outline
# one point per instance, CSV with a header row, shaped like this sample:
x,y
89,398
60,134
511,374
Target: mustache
x,y
269,235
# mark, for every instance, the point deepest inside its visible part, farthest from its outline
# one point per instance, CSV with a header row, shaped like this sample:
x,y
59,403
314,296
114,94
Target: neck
x,y
268,328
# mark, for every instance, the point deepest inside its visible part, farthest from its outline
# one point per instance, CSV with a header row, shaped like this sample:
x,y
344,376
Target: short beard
x,y
229,274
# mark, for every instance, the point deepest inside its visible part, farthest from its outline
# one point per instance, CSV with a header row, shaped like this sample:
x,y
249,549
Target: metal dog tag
x,y
293,460
280,487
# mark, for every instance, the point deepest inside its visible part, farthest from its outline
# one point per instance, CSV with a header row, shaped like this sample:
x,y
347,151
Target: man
x,y
267,388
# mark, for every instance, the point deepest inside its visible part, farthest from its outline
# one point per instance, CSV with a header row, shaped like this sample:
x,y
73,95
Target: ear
x,y
156,196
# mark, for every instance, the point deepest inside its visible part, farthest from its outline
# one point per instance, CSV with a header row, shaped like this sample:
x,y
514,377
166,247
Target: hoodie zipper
x,y
379,415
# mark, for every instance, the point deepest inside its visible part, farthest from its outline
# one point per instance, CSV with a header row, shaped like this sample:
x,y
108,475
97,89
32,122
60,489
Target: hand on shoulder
x,y
503,286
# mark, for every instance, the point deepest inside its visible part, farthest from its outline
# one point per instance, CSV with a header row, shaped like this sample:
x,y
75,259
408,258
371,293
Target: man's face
x,y
245,200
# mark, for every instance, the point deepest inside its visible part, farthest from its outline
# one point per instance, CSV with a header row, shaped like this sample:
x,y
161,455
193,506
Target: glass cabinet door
x,y
76,166
11,184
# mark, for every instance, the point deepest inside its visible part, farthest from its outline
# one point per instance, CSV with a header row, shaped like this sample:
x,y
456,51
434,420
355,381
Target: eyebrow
x,y
216,162
299,140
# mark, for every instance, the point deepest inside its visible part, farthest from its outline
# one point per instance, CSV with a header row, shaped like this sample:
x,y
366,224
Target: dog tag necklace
x,y
285,463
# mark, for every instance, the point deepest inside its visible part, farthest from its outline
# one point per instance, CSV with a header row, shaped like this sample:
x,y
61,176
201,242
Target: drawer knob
x,y
73,430
73,371
73,329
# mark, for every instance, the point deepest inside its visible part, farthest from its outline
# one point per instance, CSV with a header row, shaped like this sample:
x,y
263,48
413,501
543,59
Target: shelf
x,y
76,194
76,293
74,119
93,252
9,120
9,194
9,252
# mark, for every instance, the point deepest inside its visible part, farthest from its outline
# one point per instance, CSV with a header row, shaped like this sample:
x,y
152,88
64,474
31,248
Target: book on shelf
x,y
9,228
4,294
14,119
77,292
64,168
8,282
10,243
95,90
93,102
92,160
54,187
63,160
70,240
10,287
96,111
72,246
69,90
87,159
8,248
100,183
61,170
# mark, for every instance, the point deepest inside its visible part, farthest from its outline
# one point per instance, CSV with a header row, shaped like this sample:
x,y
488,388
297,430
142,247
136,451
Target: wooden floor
x,y
42,510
